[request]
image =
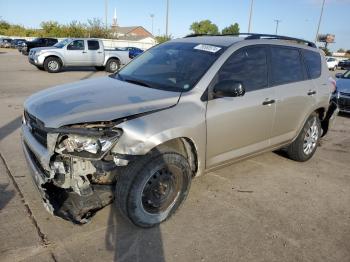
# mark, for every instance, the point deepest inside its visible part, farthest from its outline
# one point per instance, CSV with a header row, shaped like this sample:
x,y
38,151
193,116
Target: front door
x,y
77,54
238,126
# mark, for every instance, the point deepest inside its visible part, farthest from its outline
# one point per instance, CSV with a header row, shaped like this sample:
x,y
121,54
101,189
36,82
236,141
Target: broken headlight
x,y
86,146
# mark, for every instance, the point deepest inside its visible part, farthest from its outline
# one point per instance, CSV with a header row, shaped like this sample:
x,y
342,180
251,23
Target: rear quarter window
x,y
313,63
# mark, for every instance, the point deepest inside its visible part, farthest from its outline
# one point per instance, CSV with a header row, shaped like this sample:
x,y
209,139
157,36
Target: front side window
x,y
248,66
313,63
93,45
172,66
286,66
76,45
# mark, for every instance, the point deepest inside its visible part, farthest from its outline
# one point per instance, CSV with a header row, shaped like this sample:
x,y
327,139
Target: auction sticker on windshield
x,y
207,48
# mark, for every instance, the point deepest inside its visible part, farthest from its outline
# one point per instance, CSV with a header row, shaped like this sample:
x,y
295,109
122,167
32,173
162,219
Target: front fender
x,y
52,53
185,120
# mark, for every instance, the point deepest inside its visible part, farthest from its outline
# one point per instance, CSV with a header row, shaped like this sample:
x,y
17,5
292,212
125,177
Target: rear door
x,y
238,126
95,53
295,93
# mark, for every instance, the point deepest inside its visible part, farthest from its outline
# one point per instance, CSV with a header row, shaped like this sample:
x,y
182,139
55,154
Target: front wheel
x,y
304,146
52,65
151,189
112,65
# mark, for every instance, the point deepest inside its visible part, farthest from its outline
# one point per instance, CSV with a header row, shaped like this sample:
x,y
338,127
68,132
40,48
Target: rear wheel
x,y
52,64
112,65
304,146
152,188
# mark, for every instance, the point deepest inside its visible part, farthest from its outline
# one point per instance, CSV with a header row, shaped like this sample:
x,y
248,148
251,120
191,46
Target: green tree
x,y
231,30
96,28
52,28
326,51
204,27
163,38
341,50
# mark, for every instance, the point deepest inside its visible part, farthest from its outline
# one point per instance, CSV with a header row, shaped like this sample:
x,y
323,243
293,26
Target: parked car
x,y
345,64
332,63
342,94
5,42
183,108
78,52
133,51
16,42
37,42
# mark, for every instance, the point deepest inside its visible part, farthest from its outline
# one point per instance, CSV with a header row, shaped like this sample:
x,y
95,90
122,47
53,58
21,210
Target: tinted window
x,y
93,45
313,63
76,45
286,66
248,66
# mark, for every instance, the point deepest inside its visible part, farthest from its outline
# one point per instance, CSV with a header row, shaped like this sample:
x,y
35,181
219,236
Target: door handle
x,y
268,102
311,92
84,52
99,52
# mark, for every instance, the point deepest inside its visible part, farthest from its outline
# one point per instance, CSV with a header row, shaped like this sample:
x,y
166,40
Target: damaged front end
x,y
73,166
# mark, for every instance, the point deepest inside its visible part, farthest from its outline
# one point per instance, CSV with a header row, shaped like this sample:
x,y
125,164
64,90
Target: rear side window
x,y
248,66
313,63
93,45
286,66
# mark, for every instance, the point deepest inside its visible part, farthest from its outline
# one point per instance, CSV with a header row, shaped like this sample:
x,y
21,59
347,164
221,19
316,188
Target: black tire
x,y
298,150
52,64
99,68
134,186
112,65
40,68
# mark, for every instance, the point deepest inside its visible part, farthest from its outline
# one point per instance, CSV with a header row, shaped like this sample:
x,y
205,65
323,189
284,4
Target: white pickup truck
x,y
78,52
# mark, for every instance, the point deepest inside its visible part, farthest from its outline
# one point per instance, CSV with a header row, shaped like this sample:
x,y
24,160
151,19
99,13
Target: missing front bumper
x,y
65,203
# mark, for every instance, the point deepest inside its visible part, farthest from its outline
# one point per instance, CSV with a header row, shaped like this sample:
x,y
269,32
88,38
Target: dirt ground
x,y
267,208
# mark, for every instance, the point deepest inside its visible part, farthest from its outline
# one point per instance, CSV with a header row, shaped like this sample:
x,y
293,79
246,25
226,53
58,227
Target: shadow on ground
x,y
10,127
131,243
5,195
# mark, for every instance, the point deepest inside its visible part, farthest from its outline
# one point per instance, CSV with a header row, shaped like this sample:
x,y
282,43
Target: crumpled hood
x,y
93,100
343,85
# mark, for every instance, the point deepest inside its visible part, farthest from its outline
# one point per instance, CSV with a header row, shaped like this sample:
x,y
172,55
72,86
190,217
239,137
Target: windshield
x,y
171,66
346,75
62,43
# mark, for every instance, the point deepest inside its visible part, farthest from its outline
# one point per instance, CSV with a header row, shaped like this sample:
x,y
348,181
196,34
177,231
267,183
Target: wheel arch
x,y
185,146
55,56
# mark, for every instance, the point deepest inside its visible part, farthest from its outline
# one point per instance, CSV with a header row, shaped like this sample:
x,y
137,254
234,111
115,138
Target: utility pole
x,y
167,19
250,15
106,14
319,22
277,23
152,17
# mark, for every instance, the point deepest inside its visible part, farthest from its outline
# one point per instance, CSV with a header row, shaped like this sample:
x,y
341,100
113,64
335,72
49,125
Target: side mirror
x,y
228,88
339,75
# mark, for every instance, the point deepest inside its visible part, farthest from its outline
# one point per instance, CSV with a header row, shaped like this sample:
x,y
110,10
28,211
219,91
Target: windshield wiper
x,y
137,82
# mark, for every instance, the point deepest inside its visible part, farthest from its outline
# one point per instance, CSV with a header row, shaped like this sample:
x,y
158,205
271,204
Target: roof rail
x,y
251,36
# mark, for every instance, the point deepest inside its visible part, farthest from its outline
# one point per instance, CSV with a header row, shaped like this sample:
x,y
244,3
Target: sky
x,y
299,18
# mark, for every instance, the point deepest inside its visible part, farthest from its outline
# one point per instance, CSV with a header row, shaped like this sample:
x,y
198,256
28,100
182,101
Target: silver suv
x,y
179,110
